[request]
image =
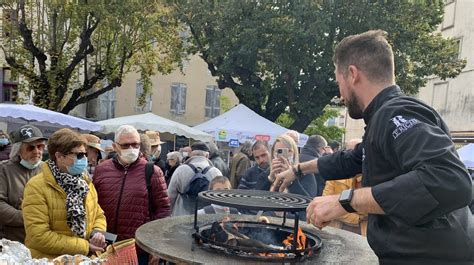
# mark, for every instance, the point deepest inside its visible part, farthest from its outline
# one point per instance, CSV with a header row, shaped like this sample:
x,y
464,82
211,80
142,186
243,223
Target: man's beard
x,y
353,106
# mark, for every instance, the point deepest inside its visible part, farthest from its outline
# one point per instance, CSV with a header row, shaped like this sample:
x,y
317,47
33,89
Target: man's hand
x,y
322,210
283,180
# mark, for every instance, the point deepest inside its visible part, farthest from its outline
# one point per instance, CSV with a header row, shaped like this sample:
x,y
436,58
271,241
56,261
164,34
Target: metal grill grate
x,y
257,199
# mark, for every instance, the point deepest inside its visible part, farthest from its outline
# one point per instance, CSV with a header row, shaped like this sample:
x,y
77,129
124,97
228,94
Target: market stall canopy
x,y
466,153
17,115
244,124
150,121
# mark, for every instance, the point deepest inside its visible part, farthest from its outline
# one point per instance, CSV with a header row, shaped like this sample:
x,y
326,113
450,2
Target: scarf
x,y
76,189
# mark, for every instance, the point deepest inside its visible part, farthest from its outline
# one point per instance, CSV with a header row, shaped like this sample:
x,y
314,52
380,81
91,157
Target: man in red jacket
x,y
122,191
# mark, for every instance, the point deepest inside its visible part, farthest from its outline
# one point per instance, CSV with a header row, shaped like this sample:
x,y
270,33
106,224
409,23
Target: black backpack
x,y
198,183
149,170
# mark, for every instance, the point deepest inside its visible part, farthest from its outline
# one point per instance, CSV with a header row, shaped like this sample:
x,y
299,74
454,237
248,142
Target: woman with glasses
x,y
24,163
60,207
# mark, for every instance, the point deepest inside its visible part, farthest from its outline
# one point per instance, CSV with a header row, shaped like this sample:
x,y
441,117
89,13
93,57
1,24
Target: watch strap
x,y
346,203
347,206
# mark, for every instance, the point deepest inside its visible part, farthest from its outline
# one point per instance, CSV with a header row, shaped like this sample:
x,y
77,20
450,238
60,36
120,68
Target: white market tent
x,y
466,153
150,121
244,124
16,115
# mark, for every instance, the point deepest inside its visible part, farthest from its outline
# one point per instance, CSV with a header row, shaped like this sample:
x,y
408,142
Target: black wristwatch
x,y
345,200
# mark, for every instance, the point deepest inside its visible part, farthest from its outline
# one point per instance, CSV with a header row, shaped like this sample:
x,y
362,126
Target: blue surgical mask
x,y
78,167
4,141
29,165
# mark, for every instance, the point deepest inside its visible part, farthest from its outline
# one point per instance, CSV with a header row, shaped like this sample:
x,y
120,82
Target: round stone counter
x,y
171,239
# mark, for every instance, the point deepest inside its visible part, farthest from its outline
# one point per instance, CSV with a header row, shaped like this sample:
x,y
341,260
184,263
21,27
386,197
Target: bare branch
x,y
85,47
28,44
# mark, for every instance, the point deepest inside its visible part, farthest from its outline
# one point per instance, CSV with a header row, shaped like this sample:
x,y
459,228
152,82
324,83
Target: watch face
x,y
345,195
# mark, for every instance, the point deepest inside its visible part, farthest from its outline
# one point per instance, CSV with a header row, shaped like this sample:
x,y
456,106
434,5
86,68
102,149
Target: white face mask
x,y
129,155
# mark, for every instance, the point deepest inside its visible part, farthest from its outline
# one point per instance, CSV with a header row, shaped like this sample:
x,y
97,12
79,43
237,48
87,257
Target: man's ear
x,y
115,146
353,74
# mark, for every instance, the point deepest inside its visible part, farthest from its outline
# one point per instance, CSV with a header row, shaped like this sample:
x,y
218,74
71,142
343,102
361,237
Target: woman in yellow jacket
x,y
60,207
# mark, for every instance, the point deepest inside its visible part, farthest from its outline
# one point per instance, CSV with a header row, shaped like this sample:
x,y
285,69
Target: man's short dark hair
x,y
369,52
316,141
335,145
200,146
259,143
218,179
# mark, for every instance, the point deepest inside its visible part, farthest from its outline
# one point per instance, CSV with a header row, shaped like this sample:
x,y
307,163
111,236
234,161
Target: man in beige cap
x,y
155,143
93,152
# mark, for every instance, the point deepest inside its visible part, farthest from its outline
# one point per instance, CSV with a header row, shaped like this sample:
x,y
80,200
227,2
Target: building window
x,y
458,43
178,98
139,91
213,101
449,15
107,106
8,86
331,122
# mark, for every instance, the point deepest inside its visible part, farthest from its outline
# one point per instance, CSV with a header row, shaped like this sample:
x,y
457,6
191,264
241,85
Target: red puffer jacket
x,y
124,197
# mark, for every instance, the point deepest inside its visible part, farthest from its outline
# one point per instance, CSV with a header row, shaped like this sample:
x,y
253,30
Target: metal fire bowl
x,y
171,239
312,249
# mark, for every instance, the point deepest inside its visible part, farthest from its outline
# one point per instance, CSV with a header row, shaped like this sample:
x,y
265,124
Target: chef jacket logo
x,y
398,120
26,132
402,125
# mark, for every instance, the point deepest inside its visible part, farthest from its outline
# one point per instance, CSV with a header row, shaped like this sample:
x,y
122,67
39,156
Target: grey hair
x,y
15,151
175,156
124,129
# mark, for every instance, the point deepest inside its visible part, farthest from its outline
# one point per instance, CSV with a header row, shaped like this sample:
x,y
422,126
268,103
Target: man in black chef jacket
x,y
416,190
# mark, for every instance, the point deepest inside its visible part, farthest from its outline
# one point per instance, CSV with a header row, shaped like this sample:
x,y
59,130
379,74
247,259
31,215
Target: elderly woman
x,y
173,161
60,207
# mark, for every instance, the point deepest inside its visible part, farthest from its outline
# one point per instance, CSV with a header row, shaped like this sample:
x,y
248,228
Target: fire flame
x,y
300,240
288,242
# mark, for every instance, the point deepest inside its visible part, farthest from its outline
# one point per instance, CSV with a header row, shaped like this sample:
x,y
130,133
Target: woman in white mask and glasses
x,y
60,207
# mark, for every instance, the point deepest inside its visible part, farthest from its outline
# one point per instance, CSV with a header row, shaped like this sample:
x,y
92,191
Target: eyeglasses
x,y
32,147
79,155
127,145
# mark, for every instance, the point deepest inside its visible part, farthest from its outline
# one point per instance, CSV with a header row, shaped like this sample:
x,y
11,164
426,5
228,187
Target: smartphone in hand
x,y
109,237
282,152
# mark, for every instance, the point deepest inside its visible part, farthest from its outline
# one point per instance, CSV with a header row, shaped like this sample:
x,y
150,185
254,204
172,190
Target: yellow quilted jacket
x,y
44,214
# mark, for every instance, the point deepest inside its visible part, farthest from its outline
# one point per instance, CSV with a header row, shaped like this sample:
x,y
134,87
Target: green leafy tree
x,y
70,52
318,125
277,55
226,104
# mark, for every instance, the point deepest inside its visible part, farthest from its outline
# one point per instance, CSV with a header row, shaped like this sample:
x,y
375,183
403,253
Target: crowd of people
x,y
402,185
